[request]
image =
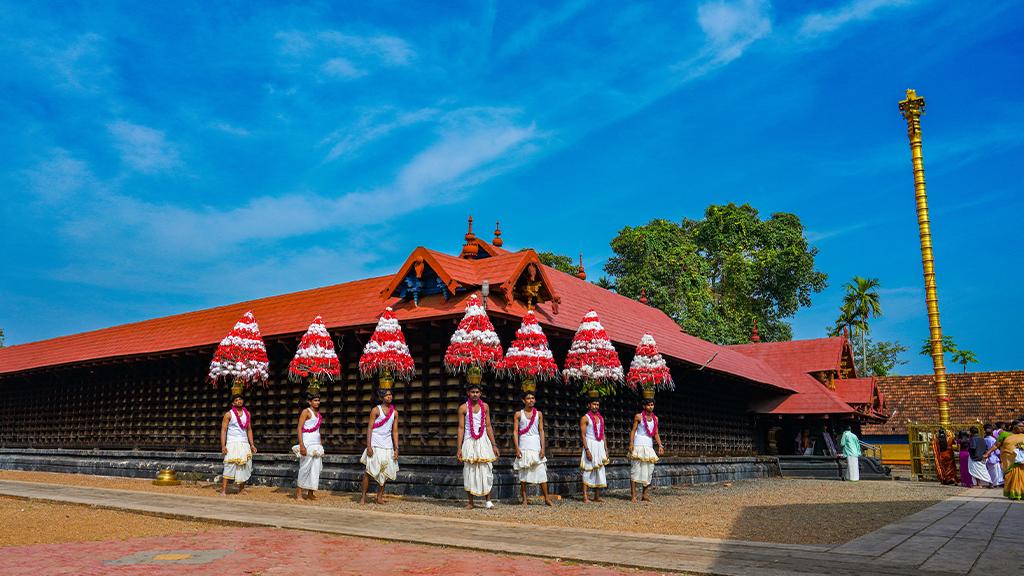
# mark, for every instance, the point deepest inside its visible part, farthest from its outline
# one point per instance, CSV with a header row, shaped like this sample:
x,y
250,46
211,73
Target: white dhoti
x,y
641,465
238,461
995,472
310,466
477,465
531,468
853,468
593,470
979,471
382,466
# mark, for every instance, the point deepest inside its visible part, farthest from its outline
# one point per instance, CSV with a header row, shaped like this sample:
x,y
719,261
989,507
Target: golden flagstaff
x,y
912,108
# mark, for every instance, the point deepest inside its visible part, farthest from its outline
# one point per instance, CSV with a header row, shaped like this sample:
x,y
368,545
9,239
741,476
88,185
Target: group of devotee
x,y
992,456
476,448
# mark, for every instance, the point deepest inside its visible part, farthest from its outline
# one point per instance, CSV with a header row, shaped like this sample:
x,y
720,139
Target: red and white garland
x,y
529,355
648,368
474,343
533,417
387,350
597,426
476,434
315,356
591,355
647,428
241,355
238,417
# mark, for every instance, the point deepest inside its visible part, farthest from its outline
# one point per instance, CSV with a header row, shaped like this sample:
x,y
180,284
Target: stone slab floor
x,y
974,533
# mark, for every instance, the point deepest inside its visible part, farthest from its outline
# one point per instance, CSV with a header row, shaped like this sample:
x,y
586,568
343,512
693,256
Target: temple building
x,y
140,387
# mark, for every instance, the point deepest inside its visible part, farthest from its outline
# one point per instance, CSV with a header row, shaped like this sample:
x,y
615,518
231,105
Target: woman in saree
x,y
1011,457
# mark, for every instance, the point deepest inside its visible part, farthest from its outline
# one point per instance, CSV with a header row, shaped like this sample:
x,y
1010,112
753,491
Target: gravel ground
x,y
38,522
775,510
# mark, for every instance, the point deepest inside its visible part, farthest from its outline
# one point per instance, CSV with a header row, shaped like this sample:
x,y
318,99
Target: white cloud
x,y
81,65
472,143
730,27
389,50
59,177
143,148
819,235
340,55
368,129
231,129
820,23
538,26
342,68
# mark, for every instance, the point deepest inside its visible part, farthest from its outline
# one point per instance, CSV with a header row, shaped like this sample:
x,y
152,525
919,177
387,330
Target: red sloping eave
x,y
351,303
811,398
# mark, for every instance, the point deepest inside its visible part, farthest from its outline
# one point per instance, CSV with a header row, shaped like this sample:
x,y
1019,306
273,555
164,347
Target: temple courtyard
x,y
62,523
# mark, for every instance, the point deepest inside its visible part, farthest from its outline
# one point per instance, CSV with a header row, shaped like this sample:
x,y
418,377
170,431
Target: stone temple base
x,y
434,476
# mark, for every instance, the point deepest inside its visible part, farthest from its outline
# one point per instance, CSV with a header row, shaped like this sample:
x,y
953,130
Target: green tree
x,y
964,357
716,276
559,262
605,283
948,346
861,303
883,357
2,338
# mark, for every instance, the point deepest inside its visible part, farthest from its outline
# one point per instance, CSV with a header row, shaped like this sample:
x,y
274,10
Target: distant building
x,y
985,397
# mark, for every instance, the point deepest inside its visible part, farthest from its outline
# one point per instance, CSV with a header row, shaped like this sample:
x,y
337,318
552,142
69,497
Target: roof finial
x,y
497,234
754,336
643,296
582,274
470,248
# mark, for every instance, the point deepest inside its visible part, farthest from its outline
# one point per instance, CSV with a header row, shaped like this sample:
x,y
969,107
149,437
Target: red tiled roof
x,y
795,360
626,321
816,355
359,303
985,396
856,390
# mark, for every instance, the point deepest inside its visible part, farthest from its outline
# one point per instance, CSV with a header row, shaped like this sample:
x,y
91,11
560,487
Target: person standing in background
x,y
850,445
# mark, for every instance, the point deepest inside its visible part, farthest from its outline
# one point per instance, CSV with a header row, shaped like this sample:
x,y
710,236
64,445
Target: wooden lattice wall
x,y
164,403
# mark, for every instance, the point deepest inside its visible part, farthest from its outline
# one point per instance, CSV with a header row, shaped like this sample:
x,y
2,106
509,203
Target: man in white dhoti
x,y
642,456
529,441
477,449
236,444
381,454
977,463
850,445
595,451
309,451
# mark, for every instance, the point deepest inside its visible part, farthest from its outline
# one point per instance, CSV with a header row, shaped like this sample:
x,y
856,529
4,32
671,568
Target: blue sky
x,y
164,157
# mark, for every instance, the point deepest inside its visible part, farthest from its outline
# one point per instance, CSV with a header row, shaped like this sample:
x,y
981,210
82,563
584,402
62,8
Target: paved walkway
x,y
979,533
231,551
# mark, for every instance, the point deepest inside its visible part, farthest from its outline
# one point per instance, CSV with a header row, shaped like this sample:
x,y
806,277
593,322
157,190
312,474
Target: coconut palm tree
x,y
964,357
863,302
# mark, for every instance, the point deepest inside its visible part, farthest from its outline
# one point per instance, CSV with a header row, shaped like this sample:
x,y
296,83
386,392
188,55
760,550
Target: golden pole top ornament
x,y
912,108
